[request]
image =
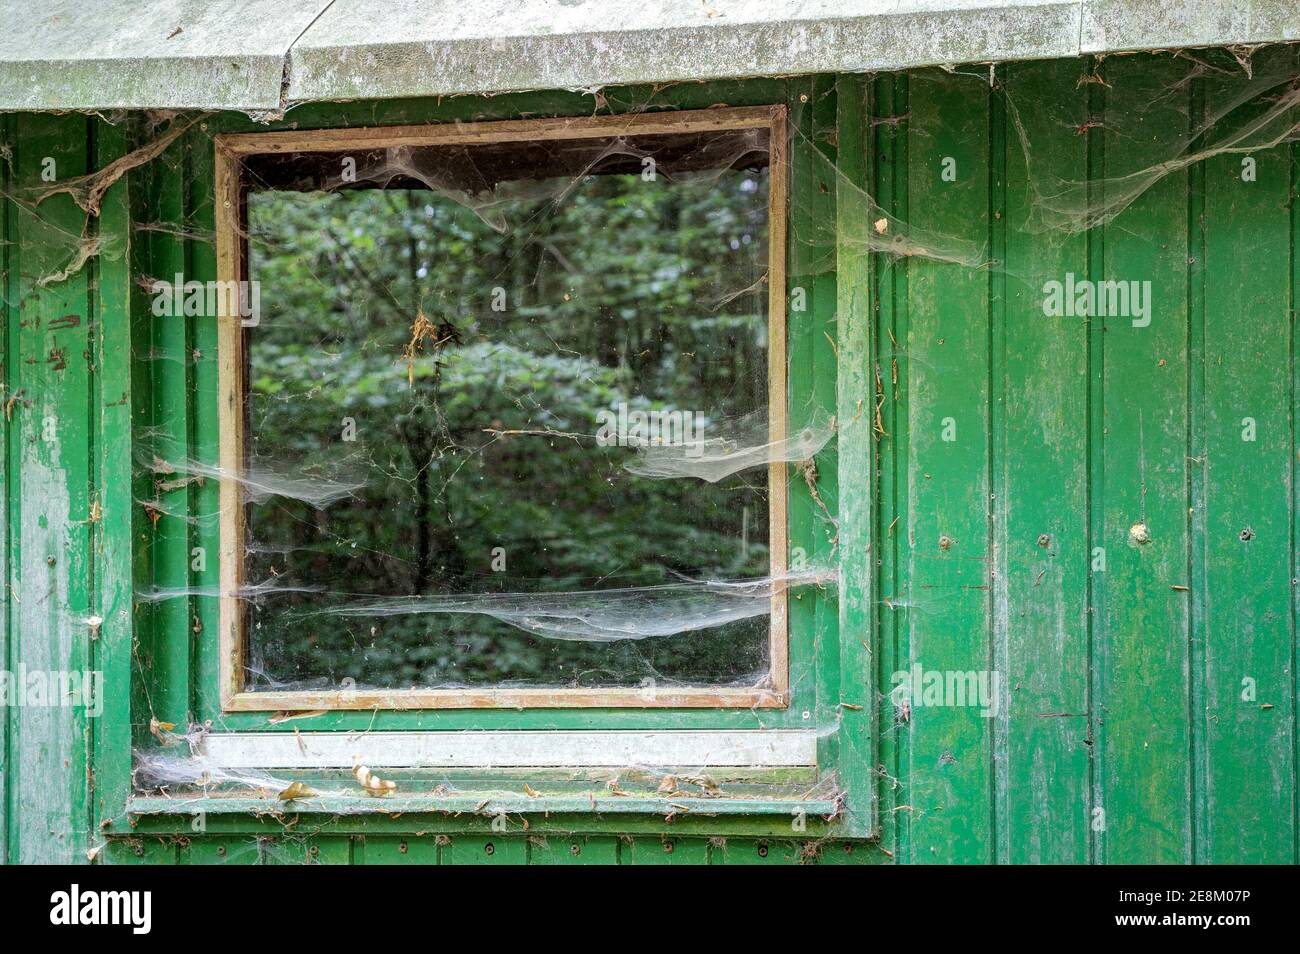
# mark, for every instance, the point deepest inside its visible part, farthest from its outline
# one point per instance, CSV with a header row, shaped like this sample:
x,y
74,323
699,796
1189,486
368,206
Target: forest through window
x,y
508,415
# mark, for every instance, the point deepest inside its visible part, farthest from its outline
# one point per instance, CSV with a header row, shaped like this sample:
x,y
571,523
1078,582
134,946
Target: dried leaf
x,y
295,790
162,730
373,784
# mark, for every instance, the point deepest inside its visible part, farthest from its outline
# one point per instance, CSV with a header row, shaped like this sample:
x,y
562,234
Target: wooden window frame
x,y
231,257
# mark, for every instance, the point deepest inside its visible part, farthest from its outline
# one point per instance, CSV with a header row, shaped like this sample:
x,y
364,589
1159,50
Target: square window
x,y
500,403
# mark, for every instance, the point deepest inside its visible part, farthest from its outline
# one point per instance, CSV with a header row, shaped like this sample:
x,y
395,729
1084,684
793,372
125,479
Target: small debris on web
x,y
373,784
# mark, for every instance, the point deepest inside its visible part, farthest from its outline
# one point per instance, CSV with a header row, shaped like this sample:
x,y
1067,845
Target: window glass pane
x,y
459,355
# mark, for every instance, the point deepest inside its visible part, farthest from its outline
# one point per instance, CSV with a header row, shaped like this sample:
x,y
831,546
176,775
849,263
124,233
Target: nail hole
x,y
1247,535
1044,539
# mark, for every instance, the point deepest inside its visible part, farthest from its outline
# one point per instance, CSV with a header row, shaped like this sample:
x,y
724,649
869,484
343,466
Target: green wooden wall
x,y
1125,737
1126,734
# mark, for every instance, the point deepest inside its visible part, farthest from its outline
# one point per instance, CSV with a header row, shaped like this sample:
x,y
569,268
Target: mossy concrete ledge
x,y
264,56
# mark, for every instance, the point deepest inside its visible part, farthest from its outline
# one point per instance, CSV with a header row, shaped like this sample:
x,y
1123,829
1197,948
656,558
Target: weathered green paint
x,y
855,708
887,178
1242,625
946,526
171,362
112,467
1142,703
50,369
1040,459
1123,736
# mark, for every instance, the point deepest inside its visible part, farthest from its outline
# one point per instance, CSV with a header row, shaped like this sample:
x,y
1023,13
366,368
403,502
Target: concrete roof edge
x,y
350,49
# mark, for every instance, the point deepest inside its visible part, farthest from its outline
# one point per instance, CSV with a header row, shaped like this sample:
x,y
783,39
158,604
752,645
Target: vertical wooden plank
x,y
332,850
1000,638
1097,533
143,212
224,850
8,490
319,850
745,851
139,851
1294,498
856,708
649,850
574,851
948,521
205,572
890,118
480,850
810,386
395,850
50,543
1243,449
1144,695
1041,514
838,853
170,360
113,536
